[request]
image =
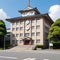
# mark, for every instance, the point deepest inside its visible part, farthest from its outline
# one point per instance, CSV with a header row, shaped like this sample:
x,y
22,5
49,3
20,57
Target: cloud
x,y
54,12
3,16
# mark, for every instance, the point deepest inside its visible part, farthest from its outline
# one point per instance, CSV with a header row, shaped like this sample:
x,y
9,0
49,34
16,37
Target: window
x,y
20,41
33,34
46,34
21,22
17,35
37,20
17,23
27,34
21,28
17,29
38,27
38,34
33,27
13,23
33,21
21,34
38,41
13,41
13,35
8,36
13,29
47,28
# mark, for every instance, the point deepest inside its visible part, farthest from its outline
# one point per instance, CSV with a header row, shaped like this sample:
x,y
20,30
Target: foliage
x,y
39,45
2,32
56,45
54,32
2,28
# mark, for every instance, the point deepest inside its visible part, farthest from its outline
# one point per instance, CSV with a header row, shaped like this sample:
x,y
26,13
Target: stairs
x,y
22,47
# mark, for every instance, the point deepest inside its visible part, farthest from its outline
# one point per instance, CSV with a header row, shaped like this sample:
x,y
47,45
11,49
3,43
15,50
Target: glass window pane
x,y
38,41
38,34
21,34
38,27
33,34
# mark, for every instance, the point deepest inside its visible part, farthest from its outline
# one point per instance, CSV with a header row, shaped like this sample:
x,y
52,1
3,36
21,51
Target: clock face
x,y
27,27
27,21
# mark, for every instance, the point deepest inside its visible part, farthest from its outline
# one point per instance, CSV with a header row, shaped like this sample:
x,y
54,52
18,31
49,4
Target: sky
x,y
9,8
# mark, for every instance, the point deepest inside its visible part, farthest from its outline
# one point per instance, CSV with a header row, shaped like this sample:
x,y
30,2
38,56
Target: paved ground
x,y
30,55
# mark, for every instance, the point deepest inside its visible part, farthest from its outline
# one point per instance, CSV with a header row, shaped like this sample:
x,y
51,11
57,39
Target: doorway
x,y
27,42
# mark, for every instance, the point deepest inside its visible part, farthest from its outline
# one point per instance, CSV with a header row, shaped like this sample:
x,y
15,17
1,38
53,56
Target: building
x,y
7,36
31,28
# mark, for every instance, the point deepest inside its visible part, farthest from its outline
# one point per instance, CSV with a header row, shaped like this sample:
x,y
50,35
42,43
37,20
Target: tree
x,y
2,32
54,32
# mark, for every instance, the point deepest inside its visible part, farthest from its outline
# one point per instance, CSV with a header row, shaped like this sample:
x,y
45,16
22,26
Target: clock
x,y
27,22
27,27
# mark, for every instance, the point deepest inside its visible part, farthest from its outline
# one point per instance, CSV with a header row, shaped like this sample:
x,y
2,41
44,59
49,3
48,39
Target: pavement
x,y
30,55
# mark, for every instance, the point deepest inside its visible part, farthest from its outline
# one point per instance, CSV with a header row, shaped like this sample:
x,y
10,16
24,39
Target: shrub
x,y
39,45
56,45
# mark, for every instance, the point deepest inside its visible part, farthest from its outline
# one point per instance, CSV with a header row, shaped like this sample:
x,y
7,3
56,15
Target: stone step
x,y
22,47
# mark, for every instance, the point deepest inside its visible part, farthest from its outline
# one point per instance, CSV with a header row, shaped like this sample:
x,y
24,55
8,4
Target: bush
x,y
39,45
56,45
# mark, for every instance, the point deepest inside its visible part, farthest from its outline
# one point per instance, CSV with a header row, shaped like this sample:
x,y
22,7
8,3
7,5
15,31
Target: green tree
x,y
54,32
2,32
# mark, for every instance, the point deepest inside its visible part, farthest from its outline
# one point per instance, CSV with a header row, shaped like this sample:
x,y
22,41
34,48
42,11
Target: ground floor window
x,y
20,41
13,41
32,42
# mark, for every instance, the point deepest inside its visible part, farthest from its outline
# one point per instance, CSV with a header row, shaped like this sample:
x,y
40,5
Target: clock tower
x,y
29,11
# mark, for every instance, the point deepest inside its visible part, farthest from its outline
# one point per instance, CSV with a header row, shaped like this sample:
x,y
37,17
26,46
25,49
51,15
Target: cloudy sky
x,y
9,8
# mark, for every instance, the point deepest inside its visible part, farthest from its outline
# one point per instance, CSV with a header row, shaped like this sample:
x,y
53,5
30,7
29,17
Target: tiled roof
x,y
30,9
31,17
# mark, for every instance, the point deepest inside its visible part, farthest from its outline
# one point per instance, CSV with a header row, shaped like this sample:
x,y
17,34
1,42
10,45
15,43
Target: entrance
x,y
27,42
